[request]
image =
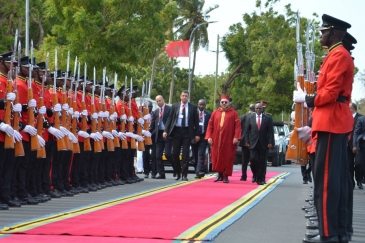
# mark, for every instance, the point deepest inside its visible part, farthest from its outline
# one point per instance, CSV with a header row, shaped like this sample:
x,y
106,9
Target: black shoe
x,y
121,182
40,199
254,179
312,225
91,188
16,199
305,181
160,177
184,178
307,207
178,176
146,176
67,194
309,199
109,184
174,174
343,239
319,239
197,177
153,176
218,178
309,177
359,185
13,204
243,178
29,201
83,189
312,233
130,181
4,206
225,179
311,214
136,178
53,194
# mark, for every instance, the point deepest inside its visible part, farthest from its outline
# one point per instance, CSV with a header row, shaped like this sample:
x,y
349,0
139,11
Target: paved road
x,y
277,218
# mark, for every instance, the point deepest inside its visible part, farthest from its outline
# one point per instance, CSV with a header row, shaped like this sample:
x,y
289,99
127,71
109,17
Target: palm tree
x,y
191,15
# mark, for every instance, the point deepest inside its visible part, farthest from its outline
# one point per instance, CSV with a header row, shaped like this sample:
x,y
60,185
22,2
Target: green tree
x,y
191,14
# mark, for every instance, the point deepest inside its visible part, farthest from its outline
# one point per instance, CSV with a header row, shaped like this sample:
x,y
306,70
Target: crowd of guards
x,y
63,134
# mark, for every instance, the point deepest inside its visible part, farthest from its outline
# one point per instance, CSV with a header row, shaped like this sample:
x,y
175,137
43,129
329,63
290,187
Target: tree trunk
x,y
231,78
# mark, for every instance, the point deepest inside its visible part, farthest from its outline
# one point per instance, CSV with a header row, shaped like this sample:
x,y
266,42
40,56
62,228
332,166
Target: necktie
x,y
258,122
201,120
160,117
183,114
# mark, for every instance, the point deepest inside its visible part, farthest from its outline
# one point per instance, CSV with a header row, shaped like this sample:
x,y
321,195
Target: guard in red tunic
x,y
332,122
223,133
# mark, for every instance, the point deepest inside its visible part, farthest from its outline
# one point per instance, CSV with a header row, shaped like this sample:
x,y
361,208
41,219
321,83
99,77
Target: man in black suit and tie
x,y
355,166
183,126
359,140
200,147
259,137
245,150
159,118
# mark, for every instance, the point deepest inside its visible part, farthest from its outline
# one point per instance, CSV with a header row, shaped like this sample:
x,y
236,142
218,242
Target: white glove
x,y
41,141
304,133
7,129
55,132
94,116
57,107
65,107
101,114
84,112
140,121
112,117
131,119
147,117
64,130
42,110
146,133
107,135
94,136
299,94
10,96
70,111
115,114
31,130
292,115
32,103
124,117
129,134
122,136
139,138
100,137
83,134
305,105
115,133
76,115
72,137
106,114
17,136
17,108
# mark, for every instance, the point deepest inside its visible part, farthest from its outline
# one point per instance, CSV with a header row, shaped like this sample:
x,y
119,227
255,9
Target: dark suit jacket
x,y
351,141
243,119
359,131
193,119
206,120
265,135
155,118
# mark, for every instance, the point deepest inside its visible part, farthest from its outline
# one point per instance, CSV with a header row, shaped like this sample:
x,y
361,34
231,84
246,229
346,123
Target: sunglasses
x,y
224,102
258,108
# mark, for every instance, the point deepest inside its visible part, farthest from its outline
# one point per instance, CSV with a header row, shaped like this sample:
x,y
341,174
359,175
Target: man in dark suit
x,y
359,140
355,166
259,137
245,150
183,126
159,118
200,147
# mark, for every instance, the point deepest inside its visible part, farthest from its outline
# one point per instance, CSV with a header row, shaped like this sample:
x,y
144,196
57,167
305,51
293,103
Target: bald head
x,y
202,104
160,101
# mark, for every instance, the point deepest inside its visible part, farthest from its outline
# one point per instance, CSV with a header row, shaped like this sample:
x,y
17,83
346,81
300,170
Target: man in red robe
x,y
223,133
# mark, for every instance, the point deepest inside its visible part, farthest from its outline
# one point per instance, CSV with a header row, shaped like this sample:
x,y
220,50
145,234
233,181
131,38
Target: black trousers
x,y
18,187
331,184
123,155
66,168
31,174
181,139
199,150
361,156
110,157
149,160
162,145
258,162
306,169
46,167
355,167
75,170
245,158
7,160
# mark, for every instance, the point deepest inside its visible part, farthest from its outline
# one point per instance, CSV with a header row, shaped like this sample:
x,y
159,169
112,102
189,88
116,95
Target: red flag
x,y
178,48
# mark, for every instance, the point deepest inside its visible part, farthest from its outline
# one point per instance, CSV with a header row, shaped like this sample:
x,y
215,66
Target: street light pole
x,y
191,34
216,74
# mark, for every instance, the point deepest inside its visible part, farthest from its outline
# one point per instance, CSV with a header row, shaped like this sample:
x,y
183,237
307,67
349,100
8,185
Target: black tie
x,y
183,116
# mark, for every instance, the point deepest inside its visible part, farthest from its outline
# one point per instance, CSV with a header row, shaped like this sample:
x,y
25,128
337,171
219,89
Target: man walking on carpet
x,y
223,133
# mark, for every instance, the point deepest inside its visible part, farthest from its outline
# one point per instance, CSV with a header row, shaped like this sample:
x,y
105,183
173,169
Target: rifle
x,y
34,143
87,145
122,125
100,119
130,124
42,152
9,141
76,146
297,149
139,126
109,142
147,140
112,110
97,144
65,123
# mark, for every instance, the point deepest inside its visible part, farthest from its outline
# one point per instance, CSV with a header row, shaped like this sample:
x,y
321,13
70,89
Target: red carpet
x,y
164,215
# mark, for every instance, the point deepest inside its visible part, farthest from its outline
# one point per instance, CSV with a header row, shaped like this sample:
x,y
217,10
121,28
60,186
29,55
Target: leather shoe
x,y
184,178
153,176
13,204
160,177
307,207
225,179
178,176
312,225
253,179
343,239
312,233
243,178
146,176
309,199
359,185
4,206
260,183
218,179
309,177
319,239
311,214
